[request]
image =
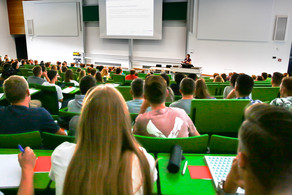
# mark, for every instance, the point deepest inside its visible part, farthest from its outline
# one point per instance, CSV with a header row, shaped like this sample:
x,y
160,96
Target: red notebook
x,y
43,164
200,172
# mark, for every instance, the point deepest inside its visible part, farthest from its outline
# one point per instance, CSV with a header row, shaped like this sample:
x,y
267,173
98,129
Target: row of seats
x,y
199,144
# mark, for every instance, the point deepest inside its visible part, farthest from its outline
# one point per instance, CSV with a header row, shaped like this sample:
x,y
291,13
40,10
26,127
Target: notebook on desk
x,y
10,171
68,89
219,167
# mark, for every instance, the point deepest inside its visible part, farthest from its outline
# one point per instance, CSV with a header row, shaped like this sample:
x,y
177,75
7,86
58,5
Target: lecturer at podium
x,y
187,63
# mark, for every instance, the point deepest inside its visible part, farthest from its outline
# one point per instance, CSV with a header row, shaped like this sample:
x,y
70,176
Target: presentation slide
x,y
130,17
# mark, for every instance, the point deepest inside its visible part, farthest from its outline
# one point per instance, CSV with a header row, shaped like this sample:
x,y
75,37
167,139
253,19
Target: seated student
x,y
132,75
178,77
98,77
134,105
93,72
162,121
38,73
265,76
119,71
264,160
218,79
86,83
53,76
106,159
170,96
104,74
193,76
243,88
18,117
201,90
82,74
276,79
286,94
187,89
228,89
69,78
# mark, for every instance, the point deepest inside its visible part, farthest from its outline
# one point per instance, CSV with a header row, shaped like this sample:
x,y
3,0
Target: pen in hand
x,y
20,148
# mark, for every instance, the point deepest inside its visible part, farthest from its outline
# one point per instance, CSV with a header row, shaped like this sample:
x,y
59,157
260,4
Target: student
x,y
178,77
264,160
82,74
98,77
104,74
86,83
228,89
265,76
38,73
277,79
69,77
119,71
218,79
162,121
53,78
132,75
193,76
93,72
134,105
106,159
286,94
170,96
243,88
187,89
18,117
201,90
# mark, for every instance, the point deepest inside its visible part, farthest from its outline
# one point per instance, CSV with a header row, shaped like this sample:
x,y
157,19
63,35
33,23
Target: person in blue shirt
x,y
19,117
137,92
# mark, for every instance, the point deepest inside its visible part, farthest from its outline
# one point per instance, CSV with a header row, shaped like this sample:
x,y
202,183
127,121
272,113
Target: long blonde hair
x,y
201,90
102,162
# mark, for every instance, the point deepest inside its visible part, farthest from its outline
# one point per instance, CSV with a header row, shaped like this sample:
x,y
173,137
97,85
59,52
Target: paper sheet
x,y
200,172
1,95
43,164
10,171
68,89
32,91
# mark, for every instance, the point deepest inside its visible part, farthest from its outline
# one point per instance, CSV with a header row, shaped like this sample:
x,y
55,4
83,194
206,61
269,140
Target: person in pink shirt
x,y
132,75
162,121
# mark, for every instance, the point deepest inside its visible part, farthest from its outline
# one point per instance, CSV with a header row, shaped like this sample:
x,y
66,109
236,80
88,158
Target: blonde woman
x,y
104,73
82,74
201,90
218,79
106,159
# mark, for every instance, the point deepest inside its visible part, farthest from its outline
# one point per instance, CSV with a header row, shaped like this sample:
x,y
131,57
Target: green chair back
x,y
121,79
177,97
125,91
133,117
223,145
49,98
31,139
197,144
214,116
64,113
51,141
265,93
213,89
142,75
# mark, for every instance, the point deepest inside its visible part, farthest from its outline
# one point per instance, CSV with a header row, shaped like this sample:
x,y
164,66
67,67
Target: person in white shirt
x,y
106,159
53,76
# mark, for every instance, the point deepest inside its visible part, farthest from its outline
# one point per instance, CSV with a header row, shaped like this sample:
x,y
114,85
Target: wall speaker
x,y
30,27
280,28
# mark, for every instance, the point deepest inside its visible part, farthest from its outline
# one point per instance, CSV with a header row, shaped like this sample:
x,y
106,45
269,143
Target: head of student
x,y
166,78
244,85
286,87
52,74
119,71
178,77
132,72
137,87
93,71
155,90
16,89
201,90
233,79
265,155
187,87
105,147
277,79
86,83
37,71
265,75
98,77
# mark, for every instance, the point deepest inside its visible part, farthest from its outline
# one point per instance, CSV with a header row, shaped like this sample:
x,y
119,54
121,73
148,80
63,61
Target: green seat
x,y
142,75
218,116
31,139
125,91
64,113
223,145
120,79
49,98
265,93
51,141
213,89
196,144
177,97
133,117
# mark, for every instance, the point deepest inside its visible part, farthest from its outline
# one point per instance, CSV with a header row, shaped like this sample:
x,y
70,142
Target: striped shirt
x,y
251,100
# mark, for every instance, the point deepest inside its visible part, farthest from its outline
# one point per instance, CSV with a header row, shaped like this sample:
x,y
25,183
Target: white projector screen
x,y
130,19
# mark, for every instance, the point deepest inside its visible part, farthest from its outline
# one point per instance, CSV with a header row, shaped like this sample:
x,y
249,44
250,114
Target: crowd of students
x,y
108,160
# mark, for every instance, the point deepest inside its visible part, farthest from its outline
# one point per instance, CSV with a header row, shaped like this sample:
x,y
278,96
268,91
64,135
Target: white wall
x,y
243,56
51,48
7,43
